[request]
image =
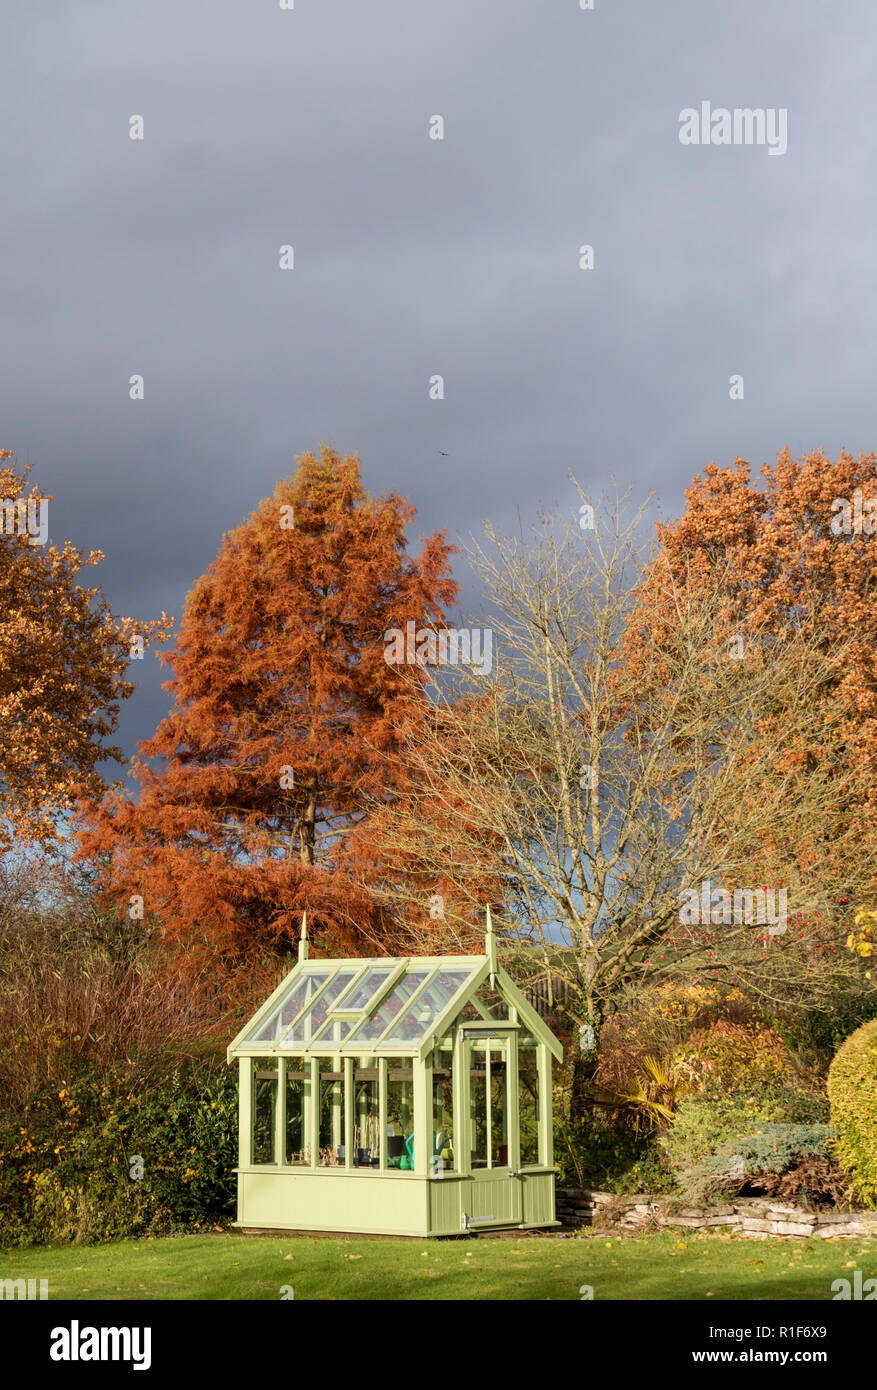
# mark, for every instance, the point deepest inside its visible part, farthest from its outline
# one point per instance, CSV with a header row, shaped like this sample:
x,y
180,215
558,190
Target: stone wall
x,y
757,1216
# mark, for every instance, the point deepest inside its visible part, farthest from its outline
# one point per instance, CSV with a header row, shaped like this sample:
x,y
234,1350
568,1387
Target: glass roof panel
x,y
418,1017
374,1010
372,1028
304,1030
358,995
336,1031
302,988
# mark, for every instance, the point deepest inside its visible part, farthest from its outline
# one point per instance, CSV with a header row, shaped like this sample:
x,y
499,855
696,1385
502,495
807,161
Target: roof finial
x,y
303,939
490,947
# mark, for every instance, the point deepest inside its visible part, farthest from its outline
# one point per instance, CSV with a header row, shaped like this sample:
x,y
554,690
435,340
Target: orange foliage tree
x,y
797,557
63,659
285,724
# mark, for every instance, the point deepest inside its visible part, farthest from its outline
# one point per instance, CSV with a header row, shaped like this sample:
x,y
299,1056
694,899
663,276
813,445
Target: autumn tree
x,y
610,788
797,555
286,718
64,657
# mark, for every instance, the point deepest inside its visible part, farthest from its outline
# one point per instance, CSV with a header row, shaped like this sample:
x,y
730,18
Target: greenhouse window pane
x,y
335,1032
311,1022
298,1101
332,1154
301,989
400,1114
264,1109
442,1160
366,1119
528,1101
358,995
422,1012
372,1028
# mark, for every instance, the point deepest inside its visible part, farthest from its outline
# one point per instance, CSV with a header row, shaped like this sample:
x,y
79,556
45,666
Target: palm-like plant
x,y
653,1094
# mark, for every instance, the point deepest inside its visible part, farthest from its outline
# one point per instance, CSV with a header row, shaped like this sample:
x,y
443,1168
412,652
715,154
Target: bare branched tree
x,y
608,771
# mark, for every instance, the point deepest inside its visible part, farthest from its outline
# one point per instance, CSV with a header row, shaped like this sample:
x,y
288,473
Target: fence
x,y
549,996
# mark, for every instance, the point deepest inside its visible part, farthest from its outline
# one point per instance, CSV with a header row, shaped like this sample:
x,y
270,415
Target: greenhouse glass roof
x,y
357,1006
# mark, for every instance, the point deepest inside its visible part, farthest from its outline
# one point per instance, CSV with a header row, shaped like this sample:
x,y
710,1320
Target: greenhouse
x,y
396,1096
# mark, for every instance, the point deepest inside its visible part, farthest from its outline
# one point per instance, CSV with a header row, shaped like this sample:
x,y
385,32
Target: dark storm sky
x,y
413,257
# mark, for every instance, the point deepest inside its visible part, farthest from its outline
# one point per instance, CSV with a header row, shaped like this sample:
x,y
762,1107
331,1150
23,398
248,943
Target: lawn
x,y
667,1265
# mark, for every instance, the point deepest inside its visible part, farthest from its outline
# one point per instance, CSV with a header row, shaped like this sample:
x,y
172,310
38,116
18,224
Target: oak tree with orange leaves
x,y
63,660
286,719
798,555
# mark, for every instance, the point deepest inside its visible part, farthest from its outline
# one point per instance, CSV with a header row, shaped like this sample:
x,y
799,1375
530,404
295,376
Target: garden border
x,y
756,1216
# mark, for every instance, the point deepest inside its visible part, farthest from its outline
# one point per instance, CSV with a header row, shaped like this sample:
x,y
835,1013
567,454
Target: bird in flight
x,y
443,454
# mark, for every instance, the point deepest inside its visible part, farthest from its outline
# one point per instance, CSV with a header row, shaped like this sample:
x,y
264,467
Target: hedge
x,y
110,1156
852,1093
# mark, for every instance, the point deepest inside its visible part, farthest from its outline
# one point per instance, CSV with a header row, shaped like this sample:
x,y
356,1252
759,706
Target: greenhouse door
x,y
495,1196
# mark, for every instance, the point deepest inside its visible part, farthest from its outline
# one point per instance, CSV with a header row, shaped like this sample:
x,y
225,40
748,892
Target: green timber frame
x,y
397,1097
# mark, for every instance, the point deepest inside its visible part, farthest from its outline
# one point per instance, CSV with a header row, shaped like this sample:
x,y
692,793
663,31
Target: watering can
x,y
440,1142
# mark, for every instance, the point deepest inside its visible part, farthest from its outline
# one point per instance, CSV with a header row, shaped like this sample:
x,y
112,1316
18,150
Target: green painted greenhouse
x,y
396,1096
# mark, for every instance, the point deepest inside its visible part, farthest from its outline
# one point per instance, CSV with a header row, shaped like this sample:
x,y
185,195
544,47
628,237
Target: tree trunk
x,y
308,828
585,1058
584,1066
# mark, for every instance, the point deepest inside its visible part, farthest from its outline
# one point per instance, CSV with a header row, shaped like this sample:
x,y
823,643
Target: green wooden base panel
x,y
368,1204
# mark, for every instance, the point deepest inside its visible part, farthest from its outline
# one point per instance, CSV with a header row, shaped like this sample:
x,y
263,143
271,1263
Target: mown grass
x,y
672,1266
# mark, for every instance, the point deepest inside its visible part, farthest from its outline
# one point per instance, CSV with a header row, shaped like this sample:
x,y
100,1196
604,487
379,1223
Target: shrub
x,y
739,1162
813,1180
852,1092
608,1155
735,1057
66,1170
82,988
819,1032
862,936
703,1123
648,1097
658,1021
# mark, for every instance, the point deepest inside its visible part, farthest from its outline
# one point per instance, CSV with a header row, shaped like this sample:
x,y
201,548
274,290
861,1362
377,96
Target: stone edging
x,y
758,1216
